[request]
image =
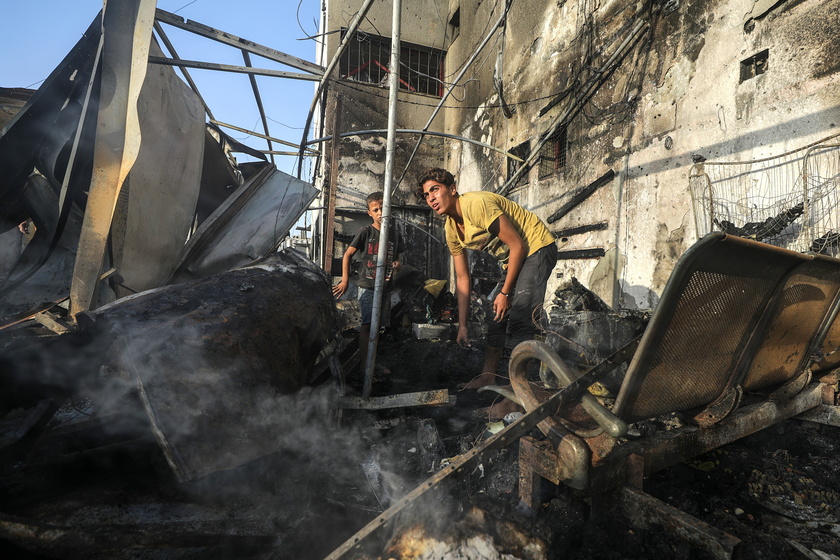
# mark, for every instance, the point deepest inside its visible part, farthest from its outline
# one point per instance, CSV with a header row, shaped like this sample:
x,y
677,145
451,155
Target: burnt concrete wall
x,y
364,107
679,91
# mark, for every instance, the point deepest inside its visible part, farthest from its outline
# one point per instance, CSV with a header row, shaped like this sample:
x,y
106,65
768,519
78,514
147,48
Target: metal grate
x,y
791,200
368,57
553,153
734,312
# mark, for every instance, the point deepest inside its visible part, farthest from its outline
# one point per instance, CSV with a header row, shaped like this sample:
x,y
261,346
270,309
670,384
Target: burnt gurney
x,y
732,347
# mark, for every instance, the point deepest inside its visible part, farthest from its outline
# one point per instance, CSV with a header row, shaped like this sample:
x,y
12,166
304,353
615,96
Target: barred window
x,y
553,153
522,151
367,57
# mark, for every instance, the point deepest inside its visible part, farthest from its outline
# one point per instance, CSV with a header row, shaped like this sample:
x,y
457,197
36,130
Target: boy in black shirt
x,y
367,241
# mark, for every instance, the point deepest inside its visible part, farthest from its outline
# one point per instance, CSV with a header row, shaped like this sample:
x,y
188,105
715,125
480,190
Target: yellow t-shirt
x,y
480,209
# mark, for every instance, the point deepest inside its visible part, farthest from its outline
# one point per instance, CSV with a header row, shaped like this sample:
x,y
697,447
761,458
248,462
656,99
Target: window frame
x,y
368,56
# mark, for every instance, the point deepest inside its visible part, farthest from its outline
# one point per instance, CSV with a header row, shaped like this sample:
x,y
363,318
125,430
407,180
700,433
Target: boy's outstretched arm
x,y
341,287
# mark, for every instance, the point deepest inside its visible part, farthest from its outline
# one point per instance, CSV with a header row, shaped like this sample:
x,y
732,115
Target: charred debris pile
x,y
205,419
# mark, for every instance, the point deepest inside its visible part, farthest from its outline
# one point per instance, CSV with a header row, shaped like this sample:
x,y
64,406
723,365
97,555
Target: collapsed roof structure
x,y
126,180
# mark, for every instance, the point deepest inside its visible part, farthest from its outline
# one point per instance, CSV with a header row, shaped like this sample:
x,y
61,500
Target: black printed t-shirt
x,y
366,243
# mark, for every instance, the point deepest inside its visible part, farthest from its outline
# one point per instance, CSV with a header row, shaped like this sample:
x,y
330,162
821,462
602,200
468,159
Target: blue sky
x,y
39,33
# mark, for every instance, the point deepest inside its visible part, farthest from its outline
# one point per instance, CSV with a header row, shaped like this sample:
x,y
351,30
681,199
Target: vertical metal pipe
x,y
331,189
379,283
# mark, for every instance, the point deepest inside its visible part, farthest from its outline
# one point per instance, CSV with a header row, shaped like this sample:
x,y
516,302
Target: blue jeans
x,y
366,306
528,295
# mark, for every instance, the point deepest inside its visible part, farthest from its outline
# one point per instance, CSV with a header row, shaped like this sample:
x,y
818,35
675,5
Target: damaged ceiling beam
x,y
165,39
309,151
231,68
238,42
246,56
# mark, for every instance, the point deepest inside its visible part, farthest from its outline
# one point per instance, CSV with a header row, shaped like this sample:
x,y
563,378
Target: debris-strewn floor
x,y
775,490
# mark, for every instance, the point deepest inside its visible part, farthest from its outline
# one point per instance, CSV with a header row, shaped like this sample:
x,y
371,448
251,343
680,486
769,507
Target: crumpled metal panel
x,y
247,226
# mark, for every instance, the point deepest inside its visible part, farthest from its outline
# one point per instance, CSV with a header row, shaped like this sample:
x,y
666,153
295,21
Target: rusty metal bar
x,y
247,58
439,397
665,449
231,68
238,42
258,135
828,415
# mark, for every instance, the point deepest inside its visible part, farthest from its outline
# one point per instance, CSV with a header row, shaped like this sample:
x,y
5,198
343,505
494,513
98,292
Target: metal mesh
x,y
694,362
783,352
735,312
790,200
368,58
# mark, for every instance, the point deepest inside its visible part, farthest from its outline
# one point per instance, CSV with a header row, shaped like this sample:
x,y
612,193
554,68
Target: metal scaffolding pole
x,y
379,282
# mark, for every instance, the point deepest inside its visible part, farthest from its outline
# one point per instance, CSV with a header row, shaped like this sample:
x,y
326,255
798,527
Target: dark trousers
x,y
528,295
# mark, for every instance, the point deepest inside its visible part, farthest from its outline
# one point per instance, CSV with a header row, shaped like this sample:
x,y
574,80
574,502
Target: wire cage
x,y
790,200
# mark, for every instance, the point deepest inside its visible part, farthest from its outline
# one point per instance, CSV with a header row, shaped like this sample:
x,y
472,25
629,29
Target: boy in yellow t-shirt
x,y
516,237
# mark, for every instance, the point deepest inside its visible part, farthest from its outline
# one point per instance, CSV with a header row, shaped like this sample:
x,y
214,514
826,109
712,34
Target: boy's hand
x,y
339,289
396,265
501,305
463,337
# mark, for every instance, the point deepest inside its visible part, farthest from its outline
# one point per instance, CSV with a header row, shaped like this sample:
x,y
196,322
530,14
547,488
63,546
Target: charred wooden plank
x,y
643,511
139,536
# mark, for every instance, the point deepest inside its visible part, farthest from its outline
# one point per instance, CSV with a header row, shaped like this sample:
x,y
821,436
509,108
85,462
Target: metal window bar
x,y
366,60
553,154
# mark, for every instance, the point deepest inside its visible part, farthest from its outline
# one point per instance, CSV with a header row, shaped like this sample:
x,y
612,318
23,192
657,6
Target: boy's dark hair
x,y
377,196
436,174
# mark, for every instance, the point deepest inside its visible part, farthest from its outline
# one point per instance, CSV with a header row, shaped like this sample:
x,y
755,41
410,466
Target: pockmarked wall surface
x,y
636,127
647,91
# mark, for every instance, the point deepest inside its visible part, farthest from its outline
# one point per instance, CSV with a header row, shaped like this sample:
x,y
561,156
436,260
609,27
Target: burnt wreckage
x,y
191,410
